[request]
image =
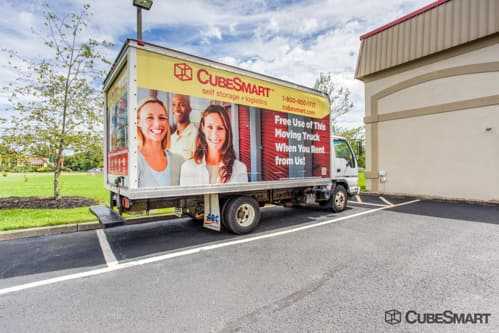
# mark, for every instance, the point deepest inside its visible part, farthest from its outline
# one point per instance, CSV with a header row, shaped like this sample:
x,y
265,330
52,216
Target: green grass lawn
x,y
40,185
362,180
11,219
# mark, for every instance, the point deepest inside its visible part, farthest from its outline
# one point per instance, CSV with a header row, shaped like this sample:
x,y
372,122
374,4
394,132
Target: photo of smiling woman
x,y
214,160
157,166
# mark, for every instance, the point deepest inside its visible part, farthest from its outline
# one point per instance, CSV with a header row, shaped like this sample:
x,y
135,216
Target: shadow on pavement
x,y
375,198
51,253
152,238
452,210
81,251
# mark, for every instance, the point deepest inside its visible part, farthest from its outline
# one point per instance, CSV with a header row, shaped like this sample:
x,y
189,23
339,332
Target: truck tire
x,y
241,214
119,204
339,199
223,204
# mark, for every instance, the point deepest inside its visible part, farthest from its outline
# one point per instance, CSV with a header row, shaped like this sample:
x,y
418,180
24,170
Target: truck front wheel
x,y
241,214
339,199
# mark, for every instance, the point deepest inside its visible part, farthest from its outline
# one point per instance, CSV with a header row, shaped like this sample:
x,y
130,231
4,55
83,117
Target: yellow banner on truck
x,y
162,72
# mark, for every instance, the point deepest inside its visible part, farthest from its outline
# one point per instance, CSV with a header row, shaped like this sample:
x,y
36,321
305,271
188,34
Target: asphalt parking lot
x,y
303,269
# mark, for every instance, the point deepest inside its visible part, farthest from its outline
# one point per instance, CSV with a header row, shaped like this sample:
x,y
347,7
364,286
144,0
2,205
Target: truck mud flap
x,y
212,218
107,217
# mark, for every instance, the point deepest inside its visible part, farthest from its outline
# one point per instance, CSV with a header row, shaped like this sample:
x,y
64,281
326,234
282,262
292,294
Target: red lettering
x,y
205,72
221,81
235,83
245,87
228,84
213,80
261,90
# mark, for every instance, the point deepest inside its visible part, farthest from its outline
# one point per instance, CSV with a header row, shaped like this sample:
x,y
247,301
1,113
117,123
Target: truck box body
x,y
273,134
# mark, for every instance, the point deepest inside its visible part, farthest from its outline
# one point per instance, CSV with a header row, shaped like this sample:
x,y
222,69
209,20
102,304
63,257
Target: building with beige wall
x,y
432,102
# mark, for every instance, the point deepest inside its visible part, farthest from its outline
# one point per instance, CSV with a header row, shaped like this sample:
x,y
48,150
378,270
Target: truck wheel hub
x,y
245,215
339,199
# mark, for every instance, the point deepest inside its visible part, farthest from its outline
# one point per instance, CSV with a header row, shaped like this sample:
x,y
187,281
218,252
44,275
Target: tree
x,y
55,99
7,156
339,97
10,158
86,157
357,138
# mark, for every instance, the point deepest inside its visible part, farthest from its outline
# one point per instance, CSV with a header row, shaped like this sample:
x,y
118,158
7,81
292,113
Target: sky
x,y
288,39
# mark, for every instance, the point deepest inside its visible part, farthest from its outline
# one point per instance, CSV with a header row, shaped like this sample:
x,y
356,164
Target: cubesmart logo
x,y
182,71
393,317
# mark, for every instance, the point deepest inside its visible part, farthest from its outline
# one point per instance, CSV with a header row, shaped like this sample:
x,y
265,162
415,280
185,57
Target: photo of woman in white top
x,y
157,166
214,160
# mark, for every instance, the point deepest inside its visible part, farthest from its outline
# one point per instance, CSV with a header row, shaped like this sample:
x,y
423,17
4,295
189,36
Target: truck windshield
x,y
342,150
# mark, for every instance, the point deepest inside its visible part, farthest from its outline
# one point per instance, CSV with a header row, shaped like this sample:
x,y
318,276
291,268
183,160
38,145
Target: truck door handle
x,y
338,170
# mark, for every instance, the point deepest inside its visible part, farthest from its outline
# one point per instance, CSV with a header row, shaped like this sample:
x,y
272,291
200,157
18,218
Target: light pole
x,y
141,4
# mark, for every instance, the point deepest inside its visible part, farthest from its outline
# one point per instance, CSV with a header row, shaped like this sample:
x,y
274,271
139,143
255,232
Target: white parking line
x,y
367,203
106,249
181,253
386,201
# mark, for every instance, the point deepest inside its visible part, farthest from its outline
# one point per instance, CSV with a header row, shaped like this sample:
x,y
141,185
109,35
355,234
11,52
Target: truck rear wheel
x,y
241,214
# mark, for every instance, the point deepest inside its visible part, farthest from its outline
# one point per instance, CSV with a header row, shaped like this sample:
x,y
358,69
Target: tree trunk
x,y
57,194
59,159
57,173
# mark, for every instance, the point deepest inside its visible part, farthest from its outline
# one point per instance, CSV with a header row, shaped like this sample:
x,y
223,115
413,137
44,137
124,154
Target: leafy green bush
x,y
23,168
84,161
45,169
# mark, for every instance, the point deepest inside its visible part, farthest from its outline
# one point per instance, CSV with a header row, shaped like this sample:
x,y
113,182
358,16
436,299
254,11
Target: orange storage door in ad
x,y
244,137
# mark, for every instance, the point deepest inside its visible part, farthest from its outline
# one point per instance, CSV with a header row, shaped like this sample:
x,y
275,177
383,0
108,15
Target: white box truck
x,y
216,141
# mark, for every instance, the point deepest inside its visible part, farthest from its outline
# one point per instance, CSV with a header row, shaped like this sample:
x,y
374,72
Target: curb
x,y
69,228
51,230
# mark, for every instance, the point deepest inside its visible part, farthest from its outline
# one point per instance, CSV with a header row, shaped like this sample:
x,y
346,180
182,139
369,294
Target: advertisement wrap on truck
x,y
187,132
117,149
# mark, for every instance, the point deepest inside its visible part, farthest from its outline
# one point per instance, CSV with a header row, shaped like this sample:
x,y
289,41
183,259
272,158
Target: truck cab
x,y
345,173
